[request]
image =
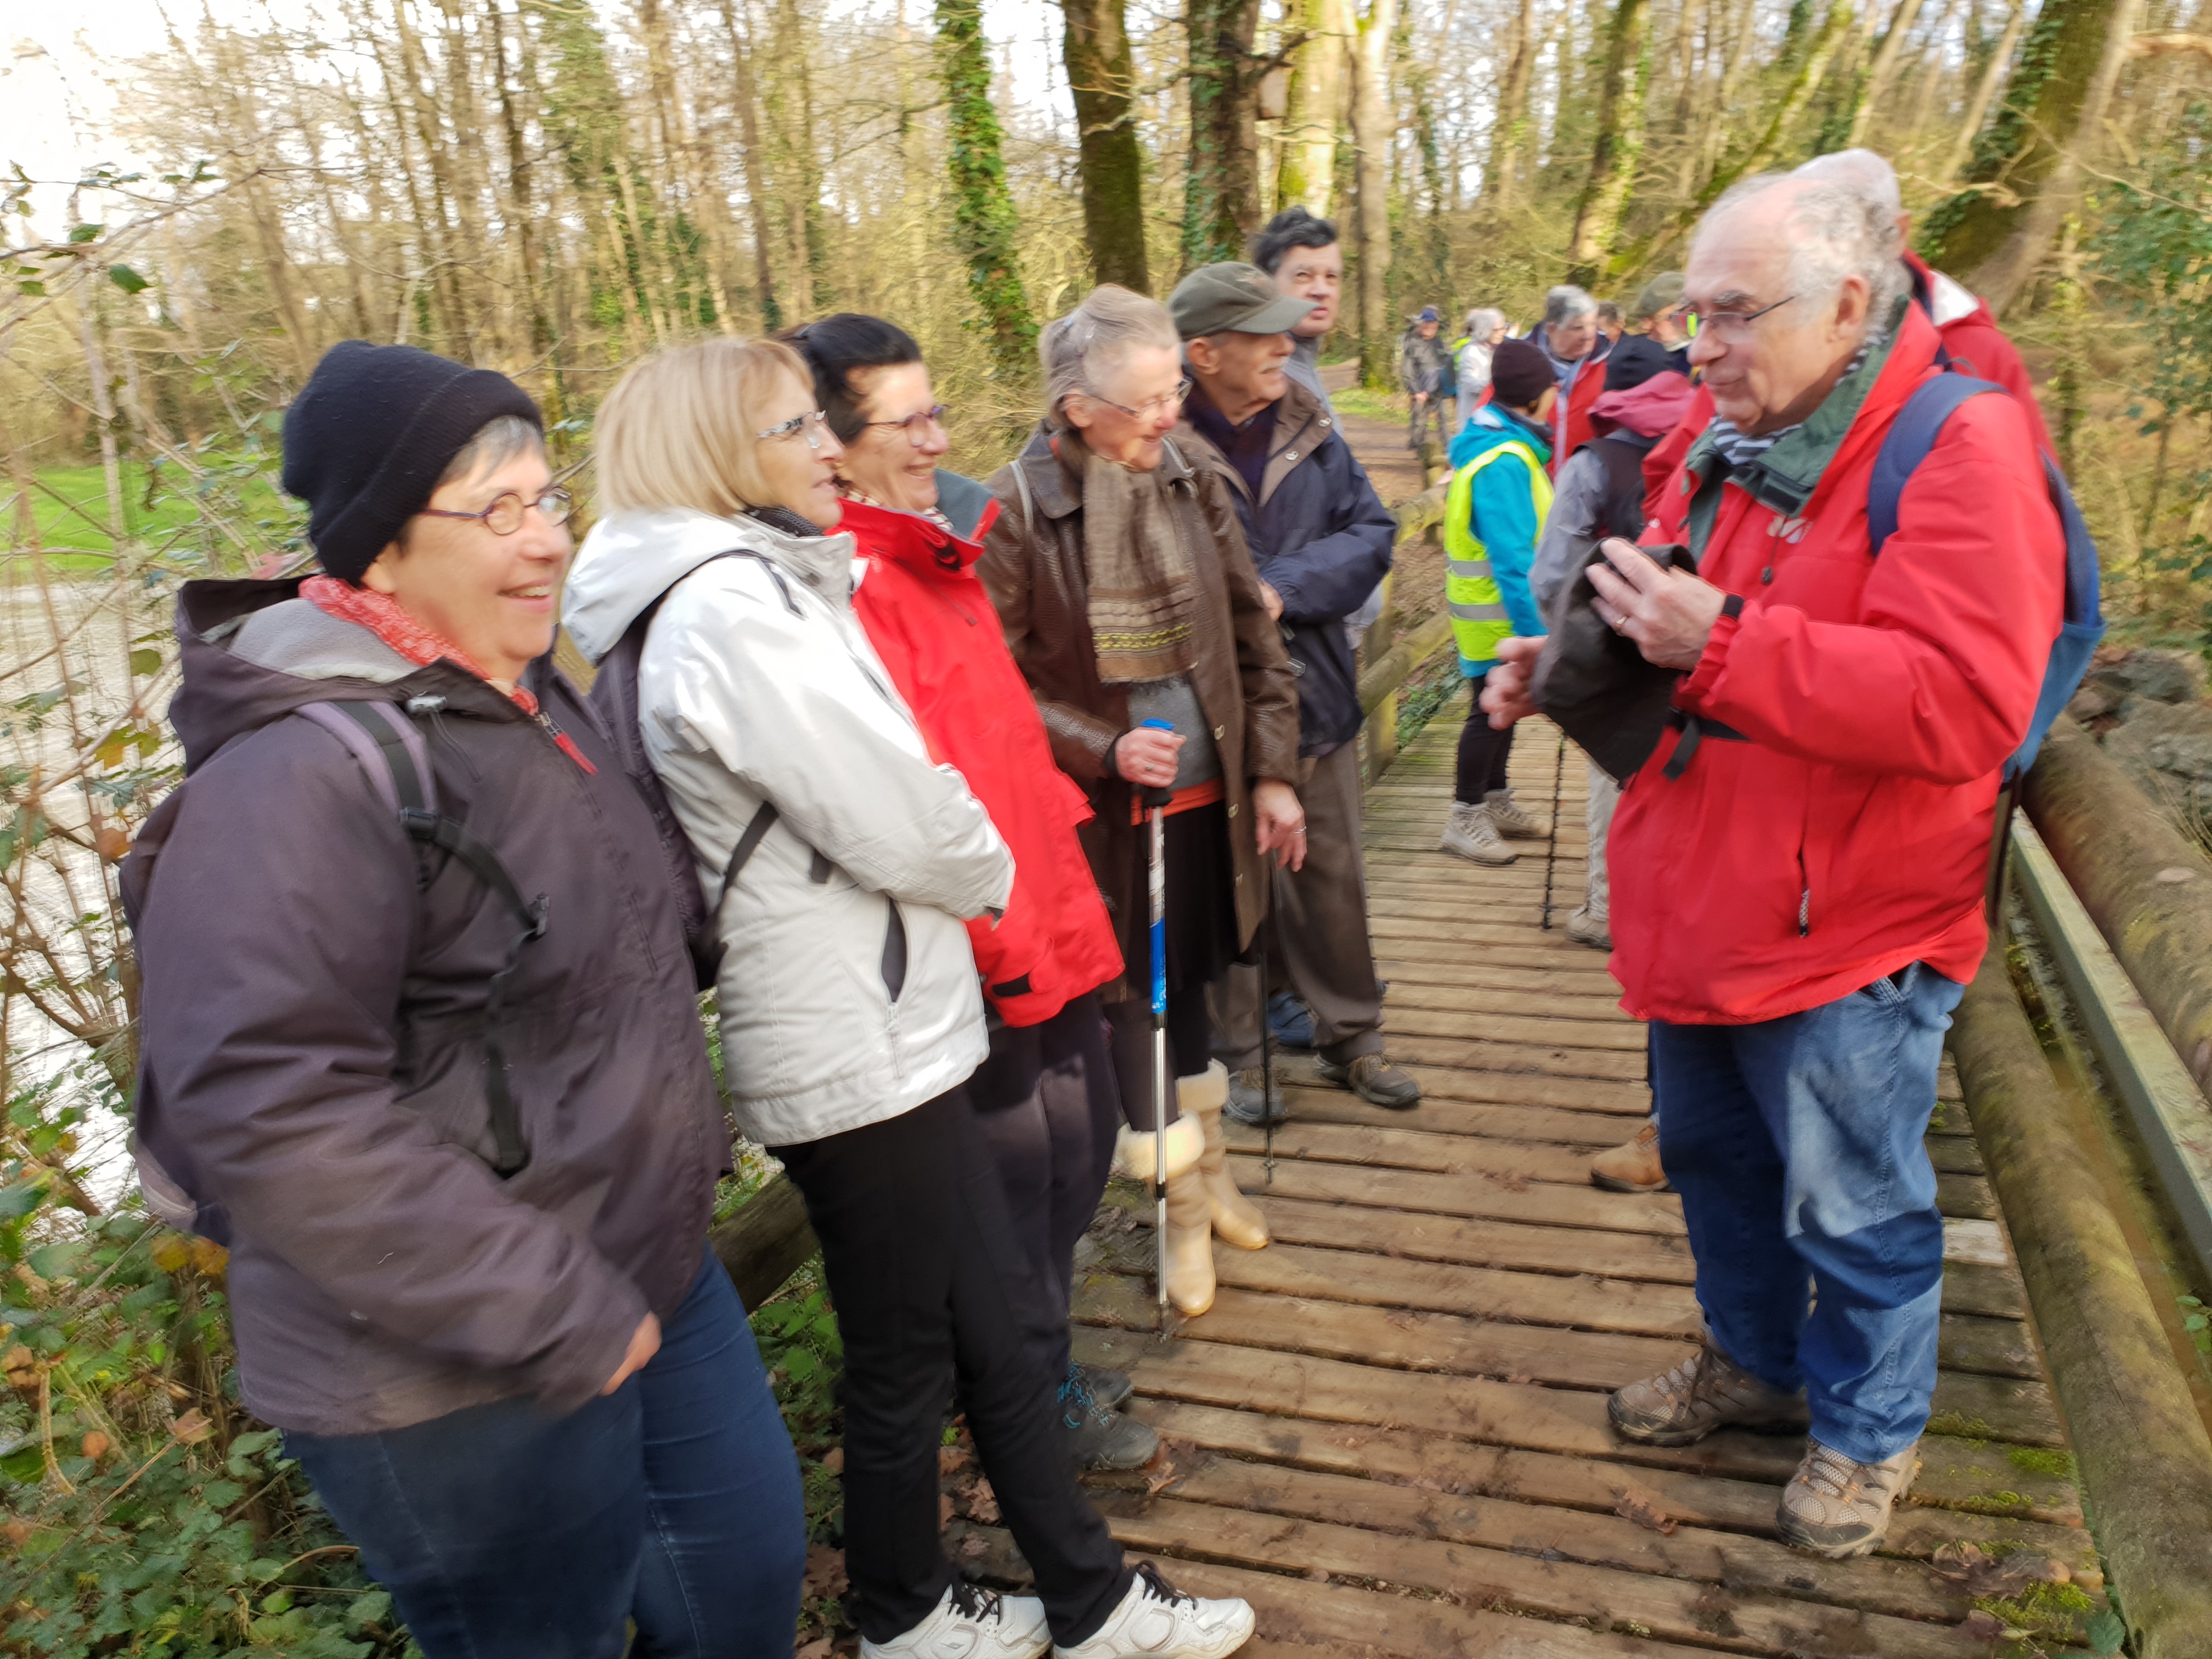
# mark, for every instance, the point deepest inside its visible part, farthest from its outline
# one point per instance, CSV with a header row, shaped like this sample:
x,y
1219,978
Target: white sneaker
x,y
1508,820
1158,1621
971,1622
1470,833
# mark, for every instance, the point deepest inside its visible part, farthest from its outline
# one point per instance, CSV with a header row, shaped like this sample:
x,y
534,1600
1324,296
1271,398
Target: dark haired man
x,y
1305,256
1321,541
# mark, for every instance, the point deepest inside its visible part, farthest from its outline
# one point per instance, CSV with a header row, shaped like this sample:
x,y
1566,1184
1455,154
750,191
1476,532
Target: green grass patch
x,y
2046,1612
162,506
1370,405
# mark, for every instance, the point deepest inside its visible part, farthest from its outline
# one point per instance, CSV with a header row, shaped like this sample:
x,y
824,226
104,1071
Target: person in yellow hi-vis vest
x,y
1493,514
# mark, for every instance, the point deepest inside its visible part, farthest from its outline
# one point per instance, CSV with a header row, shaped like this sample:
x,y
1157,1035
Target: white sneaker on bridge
x,y
971,1622
1157,1622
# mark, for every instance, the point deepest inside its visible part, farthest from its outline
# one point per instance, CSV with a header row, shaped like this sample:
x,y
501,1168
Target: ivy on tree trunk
x,y
1221,188
1997,229
1101,79
1619,145
983,220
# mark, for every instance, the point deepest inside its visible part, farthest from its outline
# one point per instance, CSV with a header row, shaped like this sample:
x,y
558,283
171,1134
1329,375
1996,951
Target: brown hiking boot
x,y
1837,1508
1633,1168
1705,1392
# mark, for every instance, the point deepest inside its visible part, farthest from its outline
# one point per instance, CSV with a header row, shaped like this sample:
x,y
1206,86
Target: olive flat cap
x,y
1661,292
1232,298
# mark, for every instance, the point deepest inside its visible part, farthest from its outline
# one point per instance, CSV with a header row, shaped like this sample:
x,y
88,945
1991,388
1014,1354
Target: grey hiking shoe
x,y
1374,1079
1584,928
1470,833
1705,1392
1109,1388
1249,1103
1837,1508
1509,821
1099,1437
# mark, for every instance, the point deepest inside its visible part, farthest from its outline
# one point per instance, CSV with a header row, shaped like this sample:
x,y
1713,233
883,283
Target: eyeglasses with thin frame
x,y
813,426
1732,325
917,425
504,516
1145,411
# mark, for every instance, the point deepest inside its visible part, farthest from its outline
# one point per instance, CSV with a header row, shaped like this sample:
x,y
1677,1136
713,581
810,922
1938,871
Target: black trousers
x,y
1190,1049
1483,752
1047,1102
927,1277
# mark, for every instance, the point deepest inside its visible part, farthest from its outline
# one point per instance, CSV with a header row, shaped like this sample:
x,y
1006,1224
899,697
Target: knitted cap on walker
x,y
369,435
1518,374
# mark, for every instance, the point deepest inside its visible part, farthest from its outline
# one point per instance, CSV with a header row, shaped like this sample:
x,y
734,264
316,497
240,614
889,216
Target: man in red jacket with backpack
x,y
1798,868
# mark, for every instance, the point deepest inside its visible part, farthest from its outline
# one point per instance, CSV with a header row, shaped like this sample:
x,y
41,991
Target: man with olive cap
x,y
1322,540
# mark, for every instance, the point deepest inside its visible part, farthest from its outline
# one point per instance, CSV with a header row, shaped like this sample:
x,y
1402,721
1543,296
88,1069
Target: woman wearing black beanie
x,y
429,1062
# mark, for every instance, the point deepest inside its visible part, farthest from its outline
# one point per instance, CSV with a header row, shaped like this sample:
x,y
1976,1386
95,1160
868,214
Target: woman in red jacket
x,y
1047,1093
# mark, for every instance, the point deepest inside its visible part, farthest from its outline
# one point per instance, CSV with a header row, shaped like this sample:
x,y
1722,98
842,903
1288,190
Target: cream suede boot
x,y
1235,1219
1136,1158
1190,1245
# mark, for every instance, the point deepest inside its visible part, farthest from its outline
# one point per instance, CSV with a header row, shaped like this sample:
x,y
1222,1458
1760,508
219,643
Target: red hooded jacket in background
x,y
932,624
1976,345
1848,836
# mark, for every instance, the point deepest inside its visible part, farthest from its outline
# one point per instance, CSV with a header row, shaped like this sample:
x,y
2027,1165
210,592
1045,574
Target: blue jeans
x,y
1796,1145
504,1533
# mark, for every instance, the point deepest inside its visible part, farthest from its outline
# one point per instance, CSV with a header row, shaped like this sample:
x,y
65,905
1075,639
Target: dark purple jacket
x,y
312,1034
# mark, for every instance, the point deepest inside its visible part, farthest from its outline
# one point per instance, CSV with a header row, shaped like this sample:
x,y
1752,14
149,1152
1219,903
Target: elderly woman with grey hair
x,y
1570,340
1130,601
1485,329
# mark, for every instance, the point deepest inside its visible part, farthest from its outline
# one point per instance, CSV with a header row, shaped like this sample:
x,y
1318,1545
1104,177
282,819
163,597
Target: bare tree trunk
x,y
1372,125
1102,80
1509,127
1308,170
1883,70
1221,190
1985,92
522,206
755,169
1619,146
2027,163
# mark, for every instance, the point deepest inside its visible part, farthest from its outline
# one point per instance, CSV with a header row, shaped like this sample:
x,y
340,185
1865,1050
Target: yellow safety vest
x,y
1478,611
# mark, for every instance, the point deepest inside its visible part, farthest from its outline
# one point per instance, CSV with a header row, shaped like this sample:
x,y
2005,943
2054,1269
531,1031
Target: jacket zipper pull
x,y
568,743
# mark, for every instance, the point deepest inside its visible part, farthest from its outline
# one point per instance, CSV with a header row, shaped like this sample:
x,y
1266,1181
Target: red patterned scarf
x,y
380,614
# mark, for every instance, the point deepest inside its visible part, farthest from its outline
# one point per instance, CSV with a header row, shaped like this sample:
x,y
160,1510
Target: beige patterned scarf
x,y
1143,588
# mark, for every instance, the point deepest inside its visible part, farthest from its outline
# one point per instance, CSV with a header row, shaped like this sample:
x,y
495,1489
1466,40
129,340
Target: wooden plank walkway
x,y
1390,1432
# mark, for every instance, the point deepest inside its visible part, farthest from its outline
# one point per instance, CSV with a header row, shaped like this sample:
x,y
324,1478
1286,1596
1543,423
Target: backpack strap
x,y
1911,436
390,749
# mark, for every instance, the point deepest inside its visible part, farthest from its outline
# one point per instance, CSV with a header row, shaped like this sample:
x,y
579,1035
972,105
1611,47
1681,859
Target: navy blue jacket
x,y
1321,539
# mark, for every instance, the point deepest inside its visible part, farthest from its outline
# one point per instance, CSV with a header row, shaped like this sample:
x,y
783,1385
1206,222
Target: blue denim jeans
x,y
504,1533
1797,1147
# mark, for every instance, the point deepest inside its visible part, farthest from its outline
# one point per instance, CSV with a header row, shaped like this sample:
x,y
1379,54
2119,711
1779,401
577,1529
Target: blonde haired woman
x,y
1130,602
838,864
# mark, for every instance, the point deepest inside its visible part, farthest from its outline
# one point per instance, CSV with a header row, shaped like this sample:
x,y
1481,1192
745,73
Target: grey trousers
x,y
1319,925
1597,818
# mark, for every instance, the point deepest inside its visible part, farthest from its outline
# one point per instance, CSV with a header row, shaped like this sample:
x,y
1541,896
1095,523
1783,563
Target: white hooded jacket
x,y
848,992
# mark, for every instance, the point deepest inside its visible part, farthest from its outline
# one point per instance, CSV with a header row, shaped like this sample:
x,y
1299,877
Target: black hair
x,y
1292,227
836,347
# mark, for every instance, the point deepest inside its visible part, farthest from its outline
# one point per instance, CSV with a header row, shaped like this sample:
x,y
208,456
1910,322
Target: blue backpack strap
x,y
1911,435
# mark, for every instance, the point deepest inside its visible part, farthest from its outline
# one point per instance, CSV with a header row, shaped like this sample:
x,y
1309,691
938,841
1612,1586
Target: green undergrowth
x,y
163,505
2041,1460
1425,692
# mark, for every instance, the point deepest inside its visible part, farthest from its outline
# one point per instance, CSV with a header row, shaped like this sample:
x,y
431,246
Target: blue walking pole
x,y
1156,801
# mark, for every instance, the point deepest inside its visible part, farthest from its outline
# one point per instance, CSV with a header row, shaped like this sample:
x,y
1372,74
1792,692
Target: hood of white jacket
x,y
631,558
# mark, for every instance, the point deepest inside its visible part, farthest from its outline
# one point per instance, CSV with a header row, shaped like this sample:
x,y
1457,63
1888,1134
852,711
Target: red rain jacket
x,y
932,624
1848,836
1970,334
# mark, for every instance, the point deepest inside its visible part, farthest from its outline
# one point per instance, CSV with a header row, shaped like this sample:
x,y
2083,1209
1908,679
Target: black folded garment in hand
x,y
1595,683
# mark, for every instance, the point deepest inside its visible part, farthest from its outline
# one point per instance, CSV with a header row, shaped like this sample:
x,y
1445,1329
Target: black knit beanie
x,y
1518,374
369,435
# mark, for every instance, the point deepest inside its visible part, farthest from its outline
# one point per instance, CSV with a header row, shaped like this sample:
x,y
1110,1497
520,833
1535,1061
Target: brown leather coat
x,y
1036,576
